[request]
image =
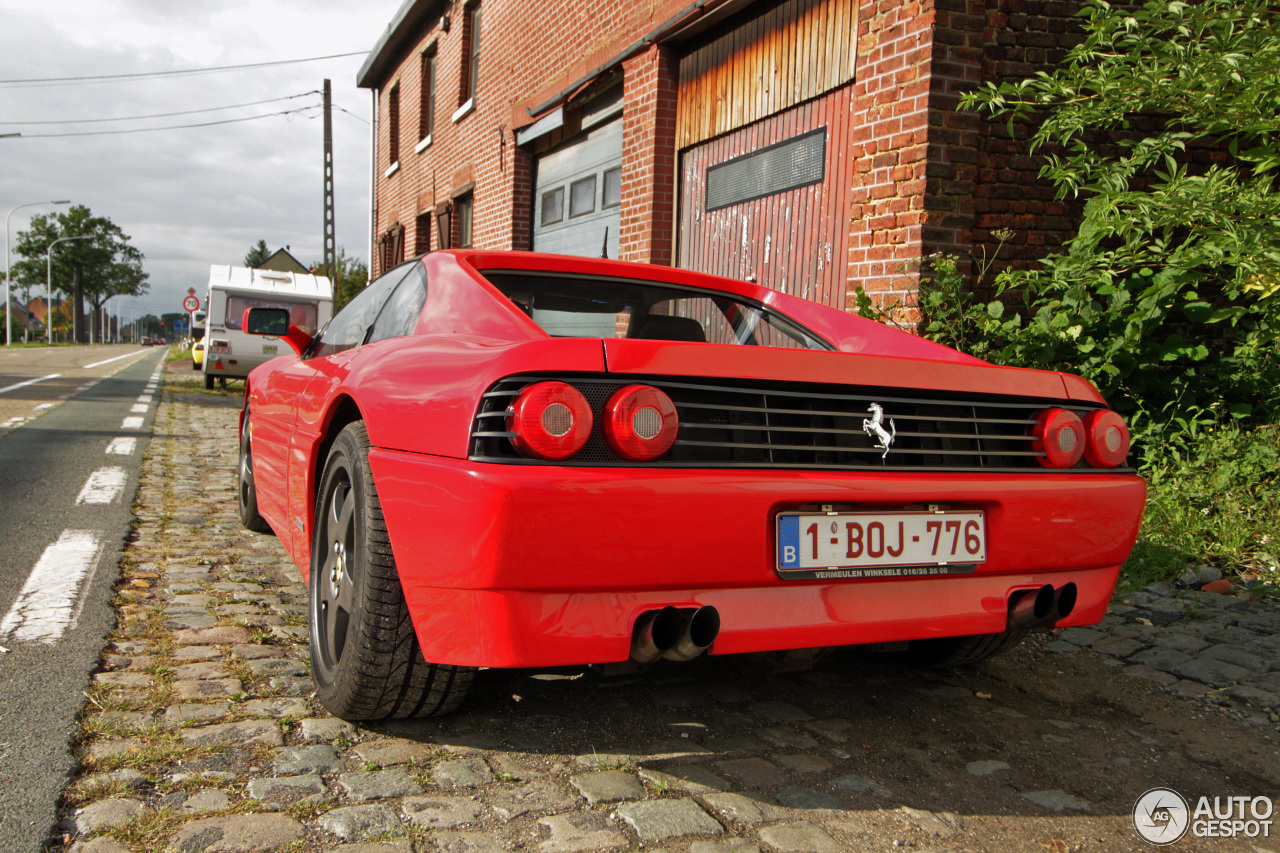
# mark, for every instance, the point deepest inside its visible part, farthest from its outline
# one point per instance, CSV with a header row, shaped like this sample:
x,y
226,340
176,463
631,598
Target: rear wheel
x,y
364,653
957,651
246,490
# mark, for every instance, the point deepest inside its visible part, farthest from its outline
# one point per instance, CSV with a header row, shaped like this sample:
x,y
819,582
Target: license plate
x,y
268,349
880,544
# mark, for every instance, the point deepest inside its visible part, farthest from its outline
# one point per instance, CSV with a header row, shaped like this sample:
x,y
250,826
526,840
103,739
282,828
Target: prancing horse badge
x,y
875,426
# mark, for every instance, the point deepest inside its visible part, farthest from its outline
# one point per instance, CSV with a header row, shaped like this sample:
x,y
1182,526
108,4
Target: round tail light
x,y
1108,439
549,420
1060,437
640,422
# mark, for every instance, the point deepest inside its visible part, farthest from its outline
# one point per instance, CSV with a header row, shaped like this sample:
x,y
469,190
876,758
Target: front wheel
x,y
246,490
364,653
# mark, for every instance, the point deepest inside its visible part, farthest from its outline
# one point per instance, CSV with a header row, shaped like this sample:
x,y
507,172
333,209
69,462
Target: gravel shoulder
x,y
201,735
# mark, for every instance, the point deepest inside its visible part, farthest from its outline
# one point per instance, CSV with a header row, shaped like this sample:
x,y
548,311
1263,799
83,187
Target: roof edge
x,y
403,31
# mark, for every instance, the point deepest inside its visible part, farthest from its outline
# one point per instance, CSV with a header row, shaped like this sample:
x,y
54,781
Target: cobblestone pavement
x,y
201,734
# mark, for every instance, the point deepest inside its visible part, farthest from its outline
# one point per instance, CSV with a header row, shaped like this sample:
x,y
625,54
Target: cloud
x,y
196,196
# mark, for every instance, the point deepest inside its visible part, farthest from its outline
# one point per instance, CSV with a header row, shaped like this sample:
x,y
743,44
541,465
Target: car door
x,y
324,369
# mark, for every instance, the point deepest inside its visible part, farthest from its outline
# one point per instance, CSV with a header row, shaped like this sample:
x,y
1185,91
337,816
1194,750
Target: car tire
x,y
365,655
958,651
208,382
246,490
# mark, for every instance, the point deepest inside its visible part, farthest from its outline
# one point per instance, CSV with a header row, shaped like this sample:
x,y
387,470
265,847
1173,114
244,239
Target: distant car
x,y
197,354
149,342
514,460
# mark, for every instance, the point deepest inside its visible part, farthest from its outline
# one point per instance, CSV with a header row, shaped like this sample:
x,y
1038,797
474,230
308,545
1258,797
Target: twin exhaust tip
x,y
674,634
1041,608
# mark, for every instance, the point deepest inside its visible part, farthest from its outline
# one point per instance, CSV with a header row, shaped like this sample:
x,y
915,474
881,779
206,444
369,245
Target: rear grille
x,y
800,426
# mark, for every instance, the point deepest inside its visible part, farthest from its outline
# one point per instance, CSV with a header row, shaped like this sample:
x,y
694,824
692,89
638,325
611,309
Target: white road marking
x,y
132,423
108,361
139,407
30,382
14,422
103,486
122,446
47,604
145,398
43,406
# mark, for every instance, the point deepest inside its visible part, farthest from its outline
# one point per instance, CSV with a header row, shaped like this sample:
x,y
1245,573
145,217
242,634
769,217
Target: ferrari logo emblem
x,y
875,426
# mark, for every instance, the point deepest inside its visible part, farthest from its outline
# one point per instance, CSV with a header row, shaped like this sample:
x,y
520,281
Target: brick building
x,y
810,145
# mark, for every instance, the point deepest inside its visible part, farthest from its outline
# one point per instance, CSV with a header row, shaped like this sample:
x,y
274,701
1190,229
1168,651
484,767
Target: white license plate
x,y
268,349
880,544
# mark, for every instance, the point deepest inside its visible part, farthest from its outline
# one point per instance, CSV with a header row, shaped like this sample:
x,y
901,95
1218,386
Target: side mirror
x,y
266,321
274,322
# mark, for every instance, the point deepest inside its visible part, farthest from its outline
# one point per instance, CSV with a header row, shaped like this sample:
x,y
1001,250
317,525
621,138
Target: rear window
x,y
591,307
301,314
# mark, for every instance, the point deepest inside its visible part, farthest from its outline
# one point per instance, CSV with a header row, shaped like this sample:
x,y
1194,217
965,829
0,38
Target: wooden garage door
x,y
767,203
578,195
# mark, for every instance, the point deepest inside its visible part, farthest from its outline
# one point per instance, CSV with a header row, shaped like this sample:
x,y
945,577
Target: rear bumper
x,y
508,565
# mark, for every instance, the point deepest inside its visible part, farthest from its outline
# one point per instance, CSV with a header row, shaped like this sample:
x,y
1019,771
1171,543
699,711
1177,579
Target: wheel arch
x,y
343,410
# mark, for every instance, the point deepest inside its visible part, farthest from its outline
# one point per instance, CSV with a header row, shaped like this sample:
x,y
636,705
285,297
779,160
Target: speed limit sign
x,y
191,303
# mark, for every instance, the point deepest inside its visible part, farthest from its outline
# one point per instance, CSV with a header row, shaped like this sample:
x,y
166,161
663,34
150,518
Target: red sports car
x,y
506,459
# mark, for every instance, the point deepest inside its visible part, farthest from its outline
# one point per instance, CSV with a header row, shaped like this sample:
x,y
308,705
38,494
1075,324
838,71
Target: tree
x,y
103,265
1166,120
353,275
257,255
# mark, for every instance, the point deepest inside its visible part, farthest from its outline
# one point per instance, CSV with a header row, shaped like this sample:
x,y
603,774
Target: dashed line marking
x,y
43,406
132,423
14,422
139,407
104,486
29,382
145,398
47,604
122,446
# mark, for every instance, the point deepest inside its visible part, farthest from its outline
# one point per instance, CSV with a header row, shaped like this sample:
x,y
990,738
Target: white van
x,y
230,353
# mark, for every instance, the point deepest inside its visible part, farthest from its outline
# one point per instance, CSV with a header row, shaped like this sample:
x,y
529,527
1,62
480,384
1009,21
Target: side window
x,y
349,326
402,310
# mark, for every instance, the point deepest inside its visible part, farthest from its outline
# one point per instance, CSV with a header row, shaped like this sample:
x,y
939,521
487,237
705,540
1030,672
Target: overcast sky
x,y
198,196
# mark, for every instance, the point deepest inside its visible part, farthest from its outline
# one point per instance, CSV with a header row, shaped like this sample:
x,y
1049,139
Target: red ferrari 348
x,y
506,459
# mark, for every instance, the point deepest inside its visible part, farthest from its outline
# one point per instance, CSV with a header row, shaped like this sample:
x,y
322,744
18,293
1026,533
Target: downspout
x,y
373,177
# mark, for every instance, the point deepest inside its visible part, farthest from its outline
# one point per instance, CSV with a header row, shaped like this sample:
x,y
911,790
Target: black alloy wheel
x,y
365,655
246,491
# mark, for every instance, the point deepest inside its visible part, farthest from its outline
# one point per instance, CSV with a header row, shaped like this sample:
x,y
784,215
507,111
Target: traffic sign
x,y
191,303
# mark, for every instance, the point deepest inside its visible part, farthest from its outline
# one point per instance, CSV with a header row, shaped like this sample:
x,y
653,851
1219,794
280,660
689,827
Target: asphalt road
x,y
74,424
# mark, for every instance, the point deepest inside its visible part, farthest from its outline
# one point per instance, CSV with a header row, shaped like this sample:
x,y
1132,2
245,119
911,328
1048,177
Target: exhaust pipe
x,y
700,631
1064,601
656,631
1029,608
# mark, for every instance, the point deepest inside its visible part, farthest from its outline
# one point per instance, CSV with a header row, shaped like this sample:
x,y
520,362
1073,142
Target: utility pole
x,y
330,246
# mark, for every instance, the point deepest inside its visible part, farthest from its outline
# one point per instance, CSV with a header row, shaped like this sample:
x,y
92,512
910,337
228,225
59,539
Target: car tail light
x,y
640,422
550,420
1060,436
1107,443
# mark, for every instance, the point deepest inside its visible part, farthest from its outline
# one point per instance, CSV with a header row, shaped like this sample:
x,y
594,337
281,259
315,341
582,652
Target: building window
x,y
393,123
422,234
427,109
582,196
470,54
552,206
612,196
462,213
391,247
798,162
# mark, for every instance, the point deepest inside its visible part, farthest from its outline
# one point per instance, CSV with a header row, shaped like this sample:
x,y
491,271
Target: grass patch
x,y
1218,506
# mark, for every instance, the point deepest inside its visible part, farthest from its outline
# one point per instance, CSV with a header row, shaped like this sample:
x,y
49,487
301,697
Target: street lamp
x,y
48,280
8,274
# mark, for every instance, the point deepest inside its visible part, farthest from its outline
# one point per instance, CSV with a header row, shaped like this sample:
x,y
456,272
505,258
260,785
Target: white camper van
x,y
229,353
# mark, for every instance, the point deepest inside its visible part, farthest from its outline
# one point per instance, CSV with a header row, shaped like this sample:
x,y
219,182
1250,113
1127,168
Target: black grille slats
x,y
799,426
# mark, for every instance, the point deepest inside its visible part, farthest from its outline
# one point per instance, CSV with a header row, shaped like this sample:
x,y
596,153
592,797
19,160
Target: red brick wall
x,y
889,148
648,157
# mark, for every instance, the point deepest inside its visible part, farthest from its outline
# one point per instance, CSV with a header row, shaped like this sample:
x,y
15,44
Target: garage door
x,y
578,195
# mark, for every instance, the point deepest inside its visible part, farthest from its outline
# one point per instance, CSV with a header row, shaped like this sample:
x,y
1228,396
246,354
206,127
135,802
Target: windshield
x,y
566,306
